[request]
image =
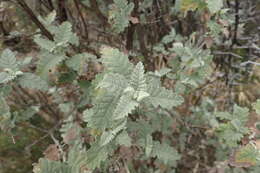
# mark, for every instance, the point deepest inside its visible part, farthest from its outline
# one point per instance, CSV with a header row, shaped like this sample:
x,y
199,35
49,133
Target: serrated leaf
x,y
241,113
125,106
6,122
48,62
214,5
245,156
148,145
123,139
26,61
44,43
76,158
6,77
32,81
48,166
102,111
5,90
119,14
108,136
165,153
256,106
64,35
8,60
95,156
115,61
51,17
143,128
78,62
4,108
113,82
162,72
159,96
137,80
229,134
140,95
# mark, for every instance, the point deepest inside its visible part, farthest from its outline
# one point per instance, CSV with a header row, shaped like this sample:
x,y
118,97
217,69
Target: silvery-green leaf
x,y
32,81
214,5
125,106
124,139
8,60
140,95
6,77
108,136
44,43
26,61
148,145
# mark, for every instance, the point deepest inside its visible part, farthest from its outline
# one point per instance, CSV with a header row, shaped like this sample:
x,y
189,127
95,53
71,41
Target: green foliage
x,y
192,64
116,62
79,62
47,64
233,128
214,5
53,52
120,93
125,114
8,60
119,14
159,96
32,81
191,5
46,166
11,69
256,106
248,154
165,153
9,66
5,119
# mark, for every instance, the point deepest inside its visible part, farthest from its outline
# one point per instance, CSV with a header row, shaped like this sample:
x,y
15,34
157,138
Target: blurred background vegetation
x,y
236,55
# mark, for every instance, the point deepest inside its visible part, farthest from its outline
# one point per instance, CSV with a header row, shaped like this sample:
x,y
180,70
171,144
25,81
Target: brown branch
x,y
76,2
35,20
94,8
45,4
132,27
2,29
62,14
94,5
2,20
49,4
49,133
53,111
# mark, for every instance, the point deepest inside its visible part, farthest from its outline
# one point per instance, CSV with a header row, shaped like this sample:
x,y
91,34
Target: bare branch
x,y
35,20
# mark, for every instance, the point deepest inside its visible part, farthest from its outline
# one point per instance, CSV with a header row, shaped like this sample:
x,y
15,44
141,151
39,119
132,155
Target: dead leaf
x,y
52,152
239,159
70,135
134,20
208,42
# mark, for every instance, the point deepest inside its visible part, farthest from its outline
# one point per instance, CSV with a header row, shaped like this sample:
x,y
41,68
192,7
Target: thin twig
x,y
76,2
28,148
35,20
227,53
